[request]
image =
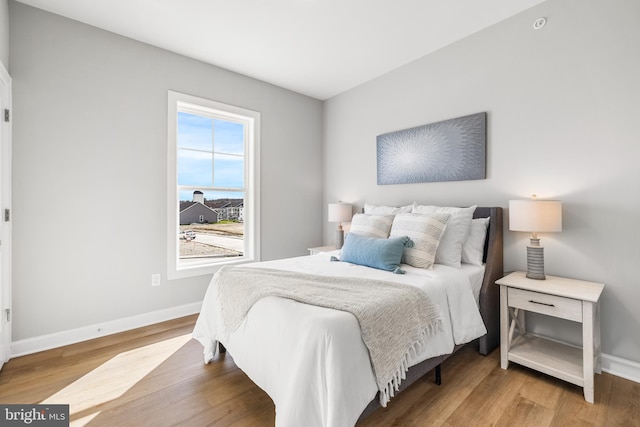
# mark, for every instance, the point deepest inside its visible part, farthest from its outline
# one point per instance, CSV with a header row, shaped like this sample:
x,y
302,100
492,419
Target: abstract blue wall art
x,y
451,150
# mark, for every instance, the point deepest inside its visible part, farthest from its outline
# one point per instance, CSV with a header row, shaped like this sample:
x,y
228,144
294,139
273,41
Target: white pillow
x,y
386,210
473,247
371,225
425,231
450,249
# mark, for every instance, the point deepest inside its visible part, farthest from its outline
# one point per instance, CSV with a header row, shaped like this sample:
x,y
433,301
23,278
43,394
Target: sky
x,y
210,153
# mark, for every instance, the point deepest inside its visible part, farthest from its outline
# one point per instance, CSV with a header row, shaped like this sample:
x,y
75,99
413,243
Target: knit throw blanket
x,y
394,318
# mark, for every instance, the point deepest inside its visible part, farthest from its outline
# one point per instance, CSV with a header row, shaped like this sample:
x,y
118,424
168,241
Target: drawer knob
x,y
541,303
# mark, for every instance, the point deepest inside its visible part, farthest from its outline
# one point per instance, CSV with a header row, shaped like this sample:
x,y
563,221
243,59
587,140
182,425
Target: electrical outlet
x,y
155,279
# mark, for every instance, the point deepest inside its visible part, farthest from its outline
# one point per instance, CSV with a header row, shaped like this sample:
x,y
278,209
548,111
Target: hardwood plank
x,y
523,412
503,386
155,376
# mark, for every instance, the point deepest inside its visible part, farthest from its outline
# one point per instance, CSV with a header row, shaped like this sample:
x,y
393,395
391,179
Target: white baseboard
x,y
621,367
59,339
611,364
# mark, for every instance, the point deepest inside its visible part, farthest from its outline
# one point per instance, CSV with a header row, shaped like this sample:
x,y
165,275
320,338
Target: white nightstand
x,y
319,249
570,299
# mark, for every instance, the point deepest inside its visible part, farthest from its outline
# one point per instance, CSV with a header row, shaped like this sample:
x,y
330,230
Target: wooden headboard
x,y
494,270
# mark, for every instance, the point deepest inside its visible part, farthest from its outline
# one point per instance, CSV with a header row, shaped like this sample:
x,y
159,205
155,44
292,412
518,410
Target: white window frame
x,y
251,119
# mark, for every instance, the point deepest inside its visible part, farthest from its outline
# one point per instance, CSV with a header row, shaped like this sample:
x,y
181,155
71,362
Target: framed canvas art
x,y
450,150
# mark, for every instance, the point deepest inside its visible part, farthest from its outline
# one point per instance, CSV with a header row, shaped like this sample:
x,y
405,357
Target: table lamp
x,y
339,212
535,216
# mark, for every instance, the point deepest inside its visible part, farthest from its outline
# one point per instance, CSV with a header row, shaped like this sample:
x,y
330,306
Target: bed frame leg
x,y
221,348
439,374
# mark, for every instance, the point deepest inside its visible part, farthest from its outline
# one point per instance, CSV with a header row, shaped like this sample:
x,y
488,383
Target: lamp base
x,y
339,238
535,262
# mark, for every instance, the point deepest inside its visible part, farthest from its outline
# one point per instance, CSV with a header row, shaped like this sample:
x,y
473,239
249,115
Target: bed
x,y
312,361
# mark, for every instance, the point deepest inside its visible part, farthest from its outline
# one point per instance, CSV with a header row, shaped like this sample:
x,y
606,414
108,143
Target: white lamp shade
x,y
535,215
339,212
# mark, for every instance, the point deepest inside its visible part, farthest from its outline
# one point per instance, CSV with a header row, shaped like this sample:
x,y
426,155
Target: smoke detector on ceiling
x,y
539,23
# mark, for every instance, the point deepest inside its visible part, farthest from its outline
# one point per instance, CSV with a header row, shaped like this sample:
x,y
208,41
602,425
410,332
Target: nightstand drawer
x,y
551,305
320,249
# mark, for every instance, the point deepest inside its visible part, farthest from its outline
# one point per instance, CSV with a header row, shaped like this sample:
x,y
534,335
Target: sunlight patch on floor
x,y
114,378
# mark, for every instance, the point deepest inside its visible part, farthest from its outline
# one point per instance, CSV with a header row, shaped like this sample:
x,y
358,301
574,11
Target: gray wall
x,y
563,105
4,33
90,144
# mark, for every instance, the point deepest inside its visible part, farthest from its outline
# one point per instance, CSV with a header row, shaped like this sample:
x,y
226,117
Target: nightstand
x,y
575,300
319,249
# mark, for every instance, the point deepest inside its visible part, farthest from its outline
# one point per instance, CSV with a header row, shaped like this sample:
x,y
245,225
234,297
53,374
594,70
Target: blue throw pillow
x,y
383,254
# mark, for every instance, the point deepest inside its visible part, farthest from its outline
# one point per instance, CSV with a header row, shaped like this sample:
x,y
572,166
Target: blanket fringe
x,y
388,391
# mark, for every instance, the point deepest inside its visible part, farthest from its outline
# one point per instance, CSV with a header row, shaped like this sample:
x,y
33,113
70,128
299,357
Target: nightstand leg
x,y
596,341
588,313
504,328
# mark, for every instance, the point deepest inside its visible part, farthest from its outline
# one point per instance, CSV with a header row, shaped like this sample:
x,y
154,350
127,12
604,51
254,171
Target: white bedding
x,y
311,360
475,274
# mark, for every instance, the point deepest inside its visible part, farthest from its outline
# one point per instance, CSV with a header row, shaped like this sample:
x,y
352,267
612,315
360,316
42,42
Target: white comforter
x,y
311,360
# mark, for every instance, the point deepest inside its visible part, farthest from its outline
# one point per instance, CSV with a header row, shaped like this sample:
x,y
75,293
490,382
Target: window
x,y
213,200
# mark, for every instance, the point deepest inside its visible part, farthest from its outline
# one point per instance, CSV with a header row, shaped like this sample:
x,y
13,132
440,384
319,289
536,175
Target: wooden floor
x,y
155,376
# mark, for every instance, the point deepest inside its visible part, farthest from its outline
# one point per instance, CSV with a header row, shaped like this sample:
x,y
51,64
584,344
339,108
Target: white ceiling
x,y
318,48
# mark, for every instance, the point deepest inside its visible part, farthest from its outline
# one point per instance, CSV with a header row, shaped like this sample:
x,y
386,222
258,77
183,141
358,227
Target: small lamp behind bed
x,y
535,216
339,212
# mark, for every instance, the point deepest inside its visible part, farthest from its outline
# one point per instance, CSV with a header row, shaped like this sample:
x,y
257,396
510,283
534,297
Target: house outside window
x,y
213,199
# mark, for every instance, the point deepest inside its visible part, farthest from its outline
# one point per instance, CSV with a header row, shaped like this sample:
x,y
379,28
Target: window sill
x,y
200,269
